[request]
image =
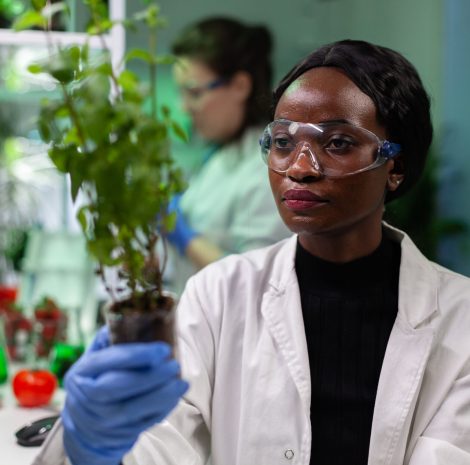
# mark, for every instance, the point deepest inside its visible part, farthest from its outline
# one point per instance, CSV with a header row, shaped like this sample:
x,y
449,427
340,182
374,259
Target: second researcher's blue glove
x,y
113,394
182,234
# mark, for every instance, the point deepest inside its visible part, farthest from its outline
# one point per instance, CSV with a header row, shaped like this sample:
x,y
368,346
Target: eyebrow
x,y
329,121
336,121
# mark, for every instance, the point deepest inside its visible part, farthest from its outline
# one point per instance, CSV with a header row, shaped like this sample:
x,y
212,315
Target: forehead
x,y
188,71
326,94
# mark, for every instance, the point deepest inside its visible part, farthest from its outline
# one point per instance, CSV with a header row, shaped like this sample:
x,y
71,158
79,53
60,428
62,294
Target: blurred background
x,y
41,251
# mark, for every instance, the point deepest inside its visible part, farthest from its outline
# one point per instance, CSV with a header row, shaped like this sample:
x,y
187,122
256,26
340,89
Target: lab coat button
x,y
289,454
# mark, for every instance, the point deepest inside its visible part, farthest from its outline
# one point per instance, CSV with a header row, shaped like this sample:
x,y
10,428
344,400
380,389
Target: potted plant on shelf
x,y
49,326
117,154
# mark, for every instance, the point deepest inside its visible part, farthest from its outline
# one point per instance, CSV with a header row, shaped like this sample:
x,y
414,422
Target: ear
x,y
396,175
241,84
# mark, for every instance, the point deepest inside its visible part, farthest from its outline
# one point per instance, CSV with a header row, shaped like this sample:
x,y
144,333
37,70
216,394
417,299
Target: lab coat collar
x,y
418,282
282,311
407,353
400,380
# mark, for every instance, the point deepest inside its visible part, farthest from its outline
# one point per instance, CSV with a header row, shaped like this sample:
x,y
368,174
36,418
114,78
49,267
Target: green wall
x,y
455,130
412,27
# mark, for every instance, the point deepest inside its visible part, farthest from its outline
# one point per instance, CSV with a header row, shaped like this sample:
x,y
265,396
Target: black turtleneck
x,y
349,310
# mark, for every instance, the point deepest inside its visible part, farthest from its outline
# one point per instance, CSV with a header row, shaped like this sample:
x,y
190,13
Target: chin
x,y
210,137
300,224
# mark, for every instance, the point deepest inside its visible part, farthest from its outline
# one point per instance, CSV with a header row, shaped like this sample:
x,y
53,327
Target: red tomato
x,y
33,388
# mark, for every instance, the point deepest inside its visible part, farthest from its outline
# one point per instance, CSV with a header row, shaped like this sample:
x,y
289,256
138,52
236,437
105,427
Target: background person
x,y
340,345
224,74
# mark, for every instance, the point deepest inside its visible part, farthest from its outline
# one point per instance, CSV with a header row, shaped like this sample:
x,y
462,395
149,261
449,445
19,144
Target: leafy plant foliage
x,y
116,153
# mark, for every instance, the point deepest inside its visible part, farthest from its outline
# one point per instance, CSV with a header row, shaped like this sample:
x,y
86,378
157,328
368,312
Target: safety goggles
x,y
194,93
334,149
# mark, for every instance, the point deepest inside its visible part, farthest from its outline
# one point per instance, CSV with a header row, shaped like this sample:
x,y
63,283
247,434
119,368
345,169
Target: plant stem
x,y
165,256
153,71
153,239
68,101
74,117
112,73
96,21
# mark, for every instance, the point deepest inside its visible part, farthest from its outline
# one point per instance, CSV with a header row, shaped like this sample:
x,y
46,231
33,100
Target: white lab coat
x,y
229,201
243,348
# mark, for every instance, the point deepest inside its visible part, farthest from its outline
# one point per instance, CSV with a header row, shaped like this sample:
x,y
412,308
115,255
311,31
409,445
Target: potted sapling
x,y
105,130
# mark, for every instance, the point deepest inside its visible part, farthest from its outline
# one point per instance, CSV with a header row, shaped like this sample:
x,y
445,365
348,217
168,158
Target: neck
x,y
342,246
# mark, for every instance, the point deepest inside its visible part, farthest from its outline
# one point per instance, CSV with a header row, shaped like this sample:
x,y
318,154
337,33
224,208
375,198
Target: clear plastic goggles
x,y
334,149
194,93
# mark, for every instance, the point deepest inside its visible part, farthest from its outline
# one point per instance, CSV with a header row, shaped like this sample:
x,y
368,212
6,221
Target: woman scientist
x,y
341,345
224,75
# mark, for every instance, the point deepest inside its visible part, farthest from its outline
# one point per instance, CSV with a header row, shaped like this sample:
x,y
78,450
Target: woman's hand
x,y
182,234
113,394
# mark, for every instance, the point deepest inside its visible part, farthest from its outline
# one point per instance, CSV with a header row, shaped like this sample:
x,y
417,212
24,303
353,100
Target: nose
x,y
305,163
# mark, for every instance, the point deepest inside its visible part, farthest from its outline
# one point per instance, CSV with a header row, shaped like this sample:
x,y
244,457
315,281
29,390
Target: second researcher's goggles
x,y
334,149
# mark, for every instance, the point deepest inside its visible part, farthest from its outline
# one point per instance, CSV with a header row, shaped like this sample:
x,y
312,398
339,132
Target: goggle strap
x,y
389,149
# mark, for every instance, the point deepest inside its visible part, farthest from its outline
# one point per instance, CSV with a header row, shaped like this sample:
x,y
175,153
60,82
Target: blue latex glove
x,y
113,394
182,234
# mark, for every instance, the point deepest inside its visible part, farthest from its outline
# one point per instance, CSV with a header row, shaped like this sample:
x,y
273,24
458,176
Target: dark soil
x,y
143,320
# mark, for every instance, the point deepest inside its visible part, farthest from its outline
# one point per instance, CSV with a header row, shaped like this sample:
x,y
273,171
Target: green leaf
x,y
45,121
63,74
152,18
73,54
82,217
93,91
166,60
85,52
169,222
100,27
140,15
139,54
128,80
129,24
28,20
38,5
72,137
179,131
35,68
44,130
102,249
106,69
64,65
60,156
165,111
76,181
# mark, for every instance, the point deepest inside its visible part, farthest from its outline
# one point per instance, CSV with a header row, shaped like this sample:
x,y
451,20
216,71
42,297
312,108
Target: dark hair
x,y
227,46
392,82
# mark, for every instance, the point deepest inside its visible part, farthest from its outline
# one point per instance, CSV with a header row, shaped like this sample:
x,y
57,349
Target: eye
x,y
339,144
193,93
282,141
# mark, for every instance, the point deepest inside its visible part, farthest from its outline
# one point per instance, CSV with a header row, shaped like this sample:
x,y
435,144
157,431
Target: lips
x,y
302,199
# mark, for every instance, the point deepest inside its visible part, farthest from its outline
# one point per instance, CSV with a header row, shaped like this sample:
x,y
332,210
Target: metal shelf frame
x,y
115,41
